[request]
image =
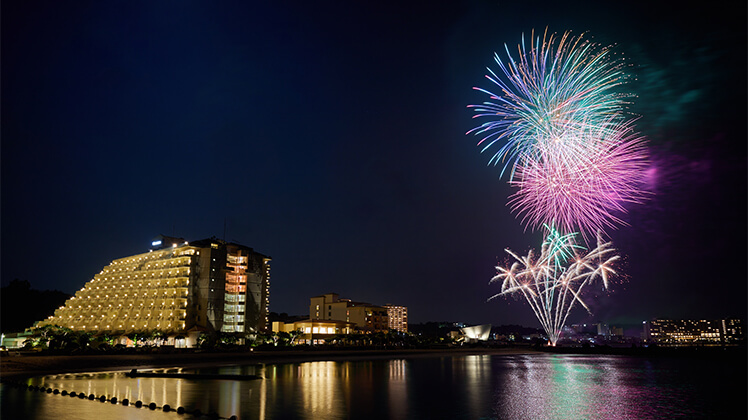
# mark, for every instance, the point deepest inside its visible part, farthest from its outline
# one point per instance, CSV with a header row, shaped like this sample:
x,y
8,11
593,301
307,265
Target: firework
x,y
575,161
554,281
556,86
584,186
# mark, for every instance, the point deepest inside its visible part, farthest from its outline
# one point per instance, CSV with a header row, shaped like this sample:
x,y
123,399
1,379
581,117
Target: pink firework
x,y
581,182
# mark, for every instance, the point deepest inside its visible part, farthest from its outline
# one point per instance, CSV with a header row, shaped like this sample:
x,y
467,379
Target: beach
x,y
18,364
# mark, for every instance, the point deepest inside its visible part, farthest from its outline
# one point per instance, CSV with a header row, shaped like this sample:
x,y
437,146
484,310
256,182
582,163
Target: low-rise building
x,y
365,316
314,332
14,340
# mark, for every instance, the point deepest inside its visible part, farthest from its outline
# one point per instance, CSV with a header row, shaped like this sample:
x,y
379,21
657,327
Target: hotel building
x,y
397,317
365,316
330,316
177,288
689,331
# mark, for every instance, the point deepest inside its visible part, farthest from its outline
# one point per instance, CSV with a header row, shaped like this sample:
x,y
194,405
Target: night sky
x,y
332,138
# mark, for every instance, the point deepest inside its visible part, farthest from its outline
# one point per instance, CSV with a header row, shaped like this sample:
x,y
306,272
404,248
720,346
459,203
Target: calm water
x,y
540,386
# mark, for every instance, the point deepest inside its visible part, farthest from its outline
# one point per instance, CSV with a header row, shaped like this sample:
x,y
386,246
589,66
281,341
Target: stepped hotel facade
x,y
177,288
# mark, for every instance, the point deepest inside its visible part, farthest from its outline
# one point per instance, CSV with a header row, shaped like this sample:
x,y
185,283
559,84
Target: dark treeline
x,y
21,306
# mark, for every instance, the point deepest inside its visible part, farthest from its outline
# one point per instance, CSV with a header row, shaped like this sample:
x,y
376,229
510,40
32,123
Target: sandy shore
x,y
27,365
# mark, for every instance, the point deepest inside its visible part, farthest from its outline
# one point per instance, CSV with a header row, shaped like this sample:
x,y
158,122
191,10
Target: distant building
x,y
585,329
365,316
605,330
397,317
476,332
177,288
732,331
689,331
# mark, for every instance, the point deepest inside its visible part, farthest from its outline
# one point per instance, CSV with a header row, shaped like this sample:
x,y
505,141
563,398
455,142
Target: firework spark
x,y
586,192
575,160
550,90
574,157
554,282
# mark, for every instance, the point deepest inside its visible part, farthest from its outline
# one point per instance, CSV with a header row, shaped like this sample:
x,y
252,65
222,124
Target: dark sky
x,y
332,138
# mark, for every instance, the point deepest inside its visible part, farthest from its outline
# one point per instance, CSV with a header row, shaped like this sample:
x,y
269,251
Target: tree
x,y
206,340
21,306
58,339
102,341
295,334
227,338
378,339
264,338
284,338
159,337
81,340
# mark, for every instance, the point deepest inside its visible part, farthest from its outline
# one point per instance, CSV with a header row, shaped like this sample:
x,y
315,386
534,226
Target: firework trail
x,y
553,282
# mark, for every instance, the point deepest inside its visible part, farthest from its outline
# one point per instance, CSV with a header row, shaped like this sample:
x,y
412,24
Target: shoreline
x,y
32,365
25,365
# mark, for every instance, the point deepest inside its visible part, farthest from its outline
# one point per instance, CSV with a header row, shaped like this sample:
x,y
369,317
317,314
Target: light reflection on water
x,y
471,387
613,387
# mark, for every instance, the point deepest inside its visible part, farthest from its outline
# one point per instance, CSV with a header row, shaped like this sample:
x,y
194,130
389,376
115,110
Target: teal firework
x,y
556,85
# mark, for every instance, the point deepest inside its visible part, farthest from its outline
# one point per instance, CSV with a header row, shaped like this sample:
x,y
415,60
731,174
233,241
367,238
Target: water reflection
x,y
476,370
602,387
460,387
397,389
321,387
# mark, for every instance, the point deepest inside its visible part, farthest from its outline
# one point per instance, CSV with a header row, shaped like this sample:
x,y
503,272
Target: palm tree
x,y
57,338
227,338
295,334
101,341
209,340
264,337
284,338
82,340
40,337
